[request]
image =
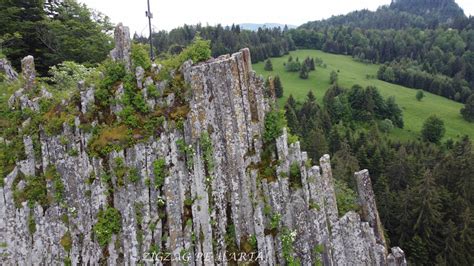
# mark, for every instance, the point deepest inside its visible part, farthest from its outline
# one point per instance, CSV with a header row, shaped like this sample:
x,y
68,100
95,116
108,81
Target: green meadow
x,y
352,72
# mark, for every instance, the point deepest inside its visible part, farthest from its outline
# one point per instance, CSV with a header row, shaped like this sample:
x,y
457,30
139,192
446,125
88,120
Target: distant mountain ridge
x,y
255,26
399,14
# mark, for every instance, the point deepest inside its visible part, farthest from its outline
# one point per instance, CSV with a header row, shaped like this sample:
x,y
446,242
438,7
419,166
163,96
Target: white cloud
x,y
169,14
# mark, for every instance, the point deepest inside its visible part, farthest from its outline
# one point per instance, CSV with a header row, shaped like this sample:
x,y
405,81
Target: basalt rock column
x,y
123,46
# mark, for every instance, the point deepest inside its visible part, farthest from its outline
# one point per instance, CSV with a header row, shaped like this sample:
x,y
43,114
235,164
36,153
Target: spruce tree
x,y
268,65
278,87
304,72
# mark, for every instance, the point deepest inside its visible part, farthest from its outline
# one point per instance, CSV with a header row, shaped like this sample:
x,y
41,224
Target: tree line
x,y
263,43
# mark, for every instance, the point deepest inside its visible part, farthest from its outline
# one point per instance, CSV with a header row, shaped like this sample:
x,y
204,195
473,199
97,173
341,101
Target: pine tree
x,y
304,72
290,113
315,144
312,66
427,216
278,87
345,164
268,65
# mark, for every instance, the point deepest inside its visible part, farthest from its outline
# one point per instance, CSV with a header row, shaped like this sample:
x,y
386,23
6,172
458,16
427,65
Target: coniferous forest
x,y
424,187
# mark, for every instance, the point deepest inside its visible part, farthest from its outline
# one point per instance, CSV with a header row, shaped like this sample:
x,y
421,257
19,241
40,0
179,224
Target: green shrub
x,y
275,221
67,74
346,198
66,241
109,222
199,50
287,239
386,125
140,56
31,224
159,170
433,129
274,124
134,175
295,175
34,191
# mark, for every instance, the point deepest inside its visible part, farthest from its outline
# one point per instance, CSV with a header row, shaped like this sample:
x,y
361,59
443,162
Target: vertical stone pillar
x,y
328,189
369,208
28,71
123,46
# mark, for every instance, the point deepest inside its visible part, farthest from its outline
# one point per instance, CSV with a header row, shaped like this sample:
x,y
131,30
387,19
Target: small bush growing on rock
x,y
295,175
159,170
140,56
66,241
274,124
109,222
346,198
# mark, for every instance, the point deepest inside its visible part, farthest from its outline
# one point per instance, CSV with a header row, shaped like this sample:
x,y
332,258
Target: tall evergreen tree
x,y
278,86
304,72
268,65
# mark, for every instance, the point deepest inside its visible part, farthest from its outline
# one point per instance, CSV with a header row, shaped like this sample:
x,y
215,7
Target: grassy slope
x,y
352,72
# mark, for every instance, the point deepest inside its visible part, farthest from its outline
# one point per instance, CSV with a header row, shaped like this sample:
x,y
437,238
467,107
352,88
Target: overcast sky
x,y
169,14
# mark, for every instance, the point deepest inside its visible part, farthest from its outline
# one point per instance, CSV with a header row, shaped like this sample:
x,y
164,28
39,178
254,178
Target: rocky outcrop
x,y
199,198
7,70
28,71
123,45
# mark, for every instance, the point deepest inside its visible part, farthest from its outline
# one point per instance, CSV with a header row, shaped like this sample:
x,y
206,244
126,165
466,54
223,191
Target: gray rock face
x,y
7,70
28,71
123,45
206,203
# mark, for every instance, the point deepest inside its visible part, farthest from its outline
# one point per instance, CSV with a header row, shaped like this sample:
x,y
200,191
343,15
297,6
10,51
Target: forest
x,y
424,187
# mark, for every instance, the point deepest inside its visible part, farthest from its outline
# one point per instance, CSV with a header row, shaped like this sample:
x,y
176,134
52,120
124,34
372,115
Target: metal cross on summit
x,y
149,15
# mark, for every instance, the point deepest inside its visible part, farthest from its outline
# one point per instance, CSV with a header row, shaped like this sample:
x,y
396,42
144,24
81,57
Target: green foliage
x,y
333,77
51,33
268,65
274,124
278,86
206,145
35,191
293,66
109,222
108,139
140,56
134,175
52,174
198,51
346,198
275,221
468,111
67,74
386,125
31,224
419,95
113,73
287,239
295,175
433,129
66,241
304,72
160,172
